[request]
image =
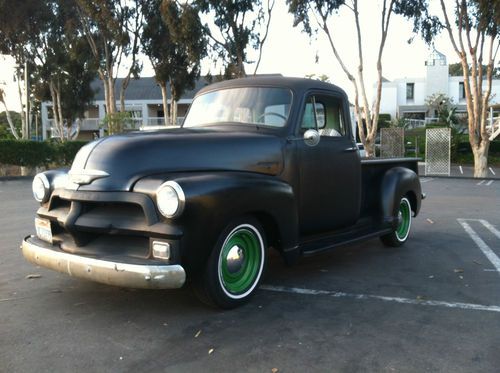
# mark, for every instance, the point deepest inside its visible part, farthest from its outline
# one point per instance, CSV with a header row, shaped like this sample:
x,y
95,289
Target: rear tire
x,y
235,266
399,236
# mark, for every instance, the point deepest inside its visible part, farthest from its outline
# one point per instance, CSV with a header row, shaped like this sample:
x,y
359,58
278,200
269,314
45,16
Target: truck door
x,y
330,172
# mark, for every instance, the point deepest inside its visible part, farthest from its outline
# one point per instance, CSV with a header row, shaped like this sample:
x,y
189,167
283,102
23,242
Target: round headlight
x,y
41,188
170,199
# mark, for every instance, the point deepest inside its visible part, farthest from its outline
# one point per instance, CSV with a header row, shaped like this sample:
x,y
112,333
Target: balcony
x,y
154,123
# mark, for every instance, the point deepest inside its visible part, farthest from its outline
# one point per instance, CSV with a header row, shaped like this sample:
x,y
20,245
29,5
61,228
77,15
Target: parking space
x,y
431,305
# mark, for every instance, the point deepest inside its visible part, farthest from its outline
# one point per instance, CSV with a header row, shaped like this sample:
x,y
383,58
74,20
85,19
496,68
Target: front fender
x,y
397,183
213,200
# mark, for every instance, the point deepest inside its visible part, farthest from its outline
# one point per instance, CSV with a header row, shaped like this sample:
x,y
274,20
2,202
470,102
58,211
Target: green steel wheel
x,y
400,234
235,266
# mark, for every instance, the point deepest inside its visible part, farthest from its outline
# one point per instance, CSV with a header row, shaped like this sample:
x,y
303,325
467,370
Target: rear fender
x,y
397,183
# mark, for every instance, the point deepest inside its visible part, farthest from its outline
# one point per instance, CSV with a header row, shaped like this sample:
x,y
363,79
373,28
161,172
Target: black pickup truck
x,y
258,163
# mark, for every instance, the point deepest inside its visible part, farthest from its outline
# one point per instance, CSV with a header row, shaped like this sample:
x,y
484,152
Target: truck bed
x,y
372,172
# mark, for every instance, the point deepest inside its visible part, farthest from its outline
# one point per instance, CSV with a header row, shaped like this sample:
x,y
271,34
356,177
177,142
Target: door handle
x,y
351,149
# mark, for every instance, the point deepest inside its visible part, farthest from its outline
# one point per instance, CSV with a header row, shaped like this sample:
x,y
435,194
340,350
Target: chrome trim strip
x,y
84,176
106,272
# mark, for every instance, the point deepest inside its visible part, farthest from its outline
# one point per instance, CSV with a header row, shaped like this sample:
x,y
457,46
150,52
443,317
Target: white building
x,y
143,101
405,98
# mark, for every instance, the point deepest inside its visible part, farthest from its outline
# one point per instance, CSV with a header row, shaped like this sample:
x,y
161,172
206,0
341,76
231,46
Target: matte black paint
x,y
307,198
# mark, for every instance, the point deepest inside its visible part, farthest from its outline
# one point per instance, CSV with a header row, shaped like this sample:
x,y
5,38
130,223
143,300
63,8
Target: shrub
x,y
38,154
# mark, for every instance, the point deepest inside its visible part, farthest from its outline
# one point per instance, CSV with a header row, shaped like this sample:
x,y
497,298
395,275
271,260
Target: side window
x,y
328,115
310,117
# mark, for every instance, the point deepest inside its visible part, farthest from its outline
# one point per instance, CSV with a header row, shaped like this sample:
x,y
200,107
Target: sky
x,y
291,52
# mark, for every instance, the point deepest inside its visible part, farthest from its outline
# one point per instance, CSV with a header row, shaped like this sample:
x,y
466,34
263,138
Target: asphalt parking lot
x,y
431,305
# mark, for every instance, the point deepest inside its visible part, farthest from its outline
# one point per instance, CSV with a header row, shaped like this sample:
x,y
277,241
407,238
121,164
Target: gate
x,y
392,142
437,151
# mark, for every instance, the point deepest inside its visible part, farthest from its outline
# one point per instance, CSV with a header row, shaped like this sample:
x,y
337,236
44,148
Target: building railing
x,y
87,124
94,124
411,123
159,122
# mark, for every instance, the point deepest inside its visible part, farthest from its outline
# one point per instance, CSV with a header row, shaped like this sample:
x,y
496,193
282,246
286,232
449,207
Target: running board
x,y
315,247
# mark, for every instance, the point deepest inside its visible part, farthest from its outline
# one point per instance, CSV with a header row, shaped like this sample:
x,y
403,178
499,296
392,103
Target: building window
x,y
410,91
461,91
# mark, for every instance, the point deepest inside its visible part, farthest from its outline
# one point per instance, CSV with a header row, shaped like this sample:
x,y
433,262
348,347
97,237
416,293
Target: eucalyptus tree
x,y
21,23
473,28
157,45
237,25
111,29
8,117
173,39
189,47
321,15
62,67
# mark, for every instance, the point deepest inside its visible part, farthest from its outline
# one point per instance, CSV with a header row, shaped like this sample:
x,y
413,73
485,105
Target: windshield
x,y
250,105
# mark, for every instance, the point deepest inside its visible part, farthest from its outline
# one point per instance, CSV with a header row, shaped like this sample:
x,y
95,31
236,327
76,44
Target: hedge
x,y
38,154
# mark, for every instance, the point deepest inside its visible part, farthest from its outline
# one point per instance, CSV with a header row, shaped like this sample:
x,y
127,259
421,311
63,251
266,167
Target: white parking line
x,y
491,228
339,294
491,170
489,182
486,224
481,182
492,257
426,180
461,170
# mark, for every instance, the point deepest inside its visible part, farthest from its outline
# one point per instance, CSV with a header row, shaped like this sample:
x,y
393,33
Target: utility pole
x,y
26,87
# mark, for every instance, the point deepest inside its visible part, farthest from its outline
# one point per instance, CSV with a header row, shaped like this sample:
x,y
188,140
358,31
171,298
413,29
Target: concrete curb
x,y
459,177
10,178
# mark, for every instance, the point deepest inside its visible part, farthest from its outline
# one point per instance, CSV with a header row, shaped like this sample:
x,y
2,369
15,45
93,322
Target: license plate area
x,y
43,229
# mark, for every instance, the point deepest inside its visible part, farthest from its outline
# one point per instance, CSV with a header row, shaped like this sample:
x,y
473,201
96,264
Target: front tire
x,y
235,266
399,236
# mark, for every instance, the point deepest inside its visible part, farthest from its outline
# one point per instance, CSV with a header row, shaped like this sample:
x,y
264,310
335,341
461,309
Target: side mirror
x,y
311,137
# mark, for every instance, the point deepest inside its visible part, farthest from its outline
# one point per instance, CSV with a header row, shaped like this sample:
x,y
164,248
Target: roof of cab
x,y
296,84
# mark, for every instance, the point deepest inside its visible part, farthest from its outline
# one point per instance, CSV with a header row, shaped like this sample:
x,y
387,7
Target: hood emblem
x,y
83,177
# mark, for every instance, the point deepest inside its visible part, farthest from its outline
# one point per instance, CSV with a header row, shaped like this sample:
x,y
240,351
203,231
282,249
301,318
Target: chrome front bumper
x,y
107,272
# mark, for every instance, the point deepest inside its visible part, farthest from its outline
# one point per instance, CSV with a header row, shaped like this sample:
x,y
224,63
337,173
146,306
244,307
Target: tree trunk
x,y
59,108
175,113
123,88
369,147
106,96
24,133
172,112
9,118
164,96
78,127
55,111
481,159
111,96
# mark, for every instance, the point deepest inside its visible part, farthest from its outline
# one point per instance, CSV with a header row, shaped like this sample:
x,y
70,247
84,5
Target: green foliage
x,y
5,132
384,120
321,77
306,12
38,154
441,105
455,69
118,122
398,122
238,23
188,45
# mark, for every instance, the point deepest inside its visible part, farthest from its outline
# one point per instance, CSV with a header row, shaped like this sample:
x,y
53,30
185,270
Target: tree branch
x,y
270,6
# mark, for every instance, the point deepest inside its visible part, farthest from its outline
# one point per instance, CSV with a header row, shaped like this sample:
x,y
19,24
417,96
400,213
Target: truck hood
x,y
129,157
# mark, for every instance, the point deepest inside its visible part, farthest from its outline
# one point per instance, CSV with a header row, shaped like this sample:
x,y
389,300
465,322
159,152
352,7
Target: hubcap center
x,y
235,259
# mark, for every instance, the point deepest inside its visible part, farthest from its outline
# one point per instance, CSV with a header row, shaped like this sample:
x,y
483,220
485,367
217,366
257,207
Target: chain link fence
x,y
392,142
437,151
